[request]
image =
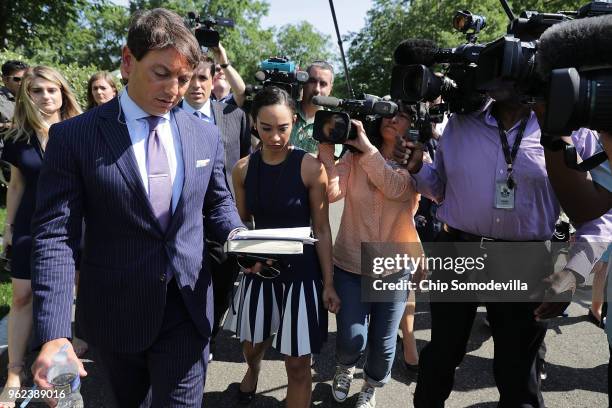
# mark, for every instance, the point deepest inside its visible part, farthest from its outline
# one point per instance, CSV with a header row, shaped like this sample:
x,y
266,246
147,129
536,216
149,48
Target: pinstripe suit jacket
x,y
90,171
235,134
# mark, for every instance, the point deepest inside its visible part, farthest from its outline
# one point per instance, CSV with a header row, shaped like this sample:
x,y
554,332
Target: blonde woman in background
x,y
44,98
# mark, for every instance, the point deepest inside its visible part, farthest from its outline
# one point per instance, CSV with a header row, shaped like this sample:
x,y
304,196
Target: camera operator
x,y
480,157
226,79
584,195
379,204
320,82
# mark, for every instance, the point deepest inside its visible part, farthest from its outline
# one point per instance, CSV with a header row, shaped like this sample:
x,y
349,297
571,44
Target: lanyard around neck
x,y
510,155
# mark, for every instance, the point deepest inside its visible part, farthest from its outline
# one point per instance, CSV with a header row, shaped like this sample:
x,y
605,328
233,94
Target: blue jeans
x,y
362,324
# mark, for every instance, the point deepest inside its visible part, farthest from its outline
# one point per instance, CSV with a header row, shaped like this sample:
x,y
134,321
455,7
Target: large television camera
x,y
576,98
574,59
513,56
413,79
204,32
282,73
334,127
279,72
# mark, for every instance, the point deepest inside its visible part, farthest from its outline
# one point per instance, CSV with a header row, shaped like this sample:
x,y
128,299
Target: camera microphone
x,y
579,43
326,101
416,51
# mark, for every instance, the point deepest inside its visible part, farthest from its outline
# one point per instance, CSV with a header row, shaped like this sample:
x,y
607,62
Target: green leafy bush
x,y
77,76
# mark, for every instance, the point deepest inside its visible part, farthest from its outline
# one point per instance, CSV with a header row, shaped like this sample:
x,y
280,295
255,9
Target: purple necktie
x,y
158,170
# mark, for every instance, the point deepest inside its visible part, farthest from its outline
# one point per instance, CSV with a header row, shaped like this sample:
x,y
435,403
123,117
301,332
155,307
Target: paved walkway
x,y
577,363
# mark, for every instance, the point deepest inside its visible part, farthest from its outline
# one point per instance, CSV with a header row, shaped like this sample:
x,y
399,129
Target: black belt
x,y
463,236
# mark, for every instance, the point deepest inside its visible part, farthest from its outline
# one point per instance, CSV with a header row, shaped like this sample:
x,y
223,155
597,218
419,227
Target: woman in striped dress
x,y
279,186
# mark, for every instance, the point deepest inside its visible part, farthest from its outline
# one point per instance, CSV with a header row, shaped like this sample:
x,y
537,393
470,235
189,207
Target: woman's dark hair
x,y
373,128
271,95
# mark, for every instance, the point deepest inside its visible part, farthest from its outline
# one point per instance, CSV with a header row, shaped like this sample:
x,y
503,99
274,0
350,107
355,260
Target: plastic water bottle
x,y
64,376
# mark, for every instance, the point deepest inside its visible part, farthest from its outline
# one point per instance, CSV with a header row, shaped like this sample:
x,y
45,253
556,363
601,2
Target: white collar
x,y
206,109
131,110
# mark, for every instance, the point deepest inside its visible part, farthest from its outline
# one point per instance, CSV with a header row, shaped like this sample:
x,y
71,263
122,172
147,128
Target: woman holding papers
x,y
279,186
380,201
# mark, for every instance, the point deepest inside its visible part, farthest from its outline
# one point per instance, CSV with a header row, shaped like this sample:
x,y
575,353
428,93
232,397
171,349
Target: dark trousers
x,y
171,372
224,275
517,337
516,334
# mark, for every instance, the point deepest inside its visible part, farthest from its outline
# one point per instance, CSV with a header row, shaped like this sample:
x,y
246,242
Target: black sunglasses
x,y
267,272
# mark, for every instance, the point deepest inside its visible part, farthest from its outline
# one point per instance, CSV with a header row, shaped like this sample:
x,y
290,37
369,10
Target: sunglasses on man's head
x,y
267,271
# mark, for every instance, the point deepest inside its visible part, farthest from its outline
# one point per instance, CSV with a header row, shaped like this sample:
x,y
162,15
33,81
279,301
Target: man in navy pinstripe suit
x,y
149,180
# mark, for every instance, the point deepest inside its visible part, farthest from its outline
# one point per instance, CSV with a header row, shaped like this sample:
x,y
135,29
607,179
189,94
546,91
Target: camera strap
x,y
570,157
510,156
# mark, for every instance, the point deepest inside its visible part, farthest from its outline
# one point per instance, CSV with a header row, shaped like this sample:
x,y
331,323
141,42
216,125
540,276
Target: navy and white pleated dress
x,y
290,306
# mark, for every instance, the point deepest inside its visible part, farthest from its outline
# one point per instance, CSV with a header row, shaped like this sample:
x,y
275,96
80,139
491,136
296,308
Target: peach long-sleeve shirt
x,y
380,203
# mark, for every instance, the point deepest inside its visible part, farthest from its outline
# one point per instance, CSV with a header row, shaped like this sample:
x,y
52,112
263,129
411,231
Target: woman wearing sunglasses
x,y
279,186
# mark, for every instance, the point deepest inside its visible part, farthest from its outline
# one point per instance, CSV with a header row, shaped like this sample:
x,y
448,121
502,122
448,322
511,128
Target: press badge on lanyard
x,y
505,189
504,195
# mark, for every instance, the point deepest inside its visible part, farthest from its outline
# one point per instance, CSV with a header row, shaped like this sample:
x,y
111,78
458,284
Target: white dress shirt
x,y
138,128
205,110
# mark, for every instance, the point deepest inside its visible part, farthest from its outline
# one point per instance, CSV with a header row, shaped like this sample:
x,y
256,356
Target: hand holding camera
x,y
408,153
219,54
361,141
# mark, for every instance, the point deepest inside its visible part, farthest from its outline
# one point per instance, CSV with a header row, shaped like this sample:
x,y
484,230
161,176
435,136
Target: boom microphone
x,y
578,43
326,101
355,106
416,51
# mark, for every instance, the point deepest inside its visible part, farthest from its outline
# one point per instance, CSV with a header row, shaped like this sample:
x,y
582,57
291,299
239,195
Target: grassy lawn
x,y
6,292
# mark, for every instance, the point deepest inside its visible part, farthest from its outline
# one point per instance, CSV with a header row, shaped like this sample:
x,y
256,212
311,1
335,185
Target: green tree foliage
x,y
303,43
246,44
391,21
90,33
64,32
22,22
76,75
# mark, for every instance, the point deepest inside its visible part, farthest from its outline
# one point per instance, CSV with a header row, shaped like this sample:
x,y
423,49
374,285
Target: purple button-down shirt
x,y
468,163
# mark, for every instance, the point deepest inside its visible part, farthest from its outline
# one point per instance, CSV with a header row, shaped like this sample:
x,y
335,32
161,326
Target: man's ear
x,y
127,62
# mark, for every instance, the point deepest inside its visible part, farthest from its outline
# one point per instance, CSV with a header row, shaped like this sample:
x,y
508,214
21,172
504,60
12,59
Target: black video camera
x,y
203,28
422,119
575,63
279,72
414,81
282,73
334,127
513,57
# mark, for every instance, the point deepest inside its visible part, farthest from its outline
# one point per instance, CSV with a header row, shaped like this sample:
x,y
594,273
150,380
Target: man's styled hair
x,y
322,65
209,64
158,29
12,66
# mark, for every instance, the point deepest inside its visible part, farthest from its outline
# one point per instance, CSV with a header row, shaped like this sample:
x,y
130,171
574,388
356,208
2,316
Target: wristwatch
x,y
225,65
